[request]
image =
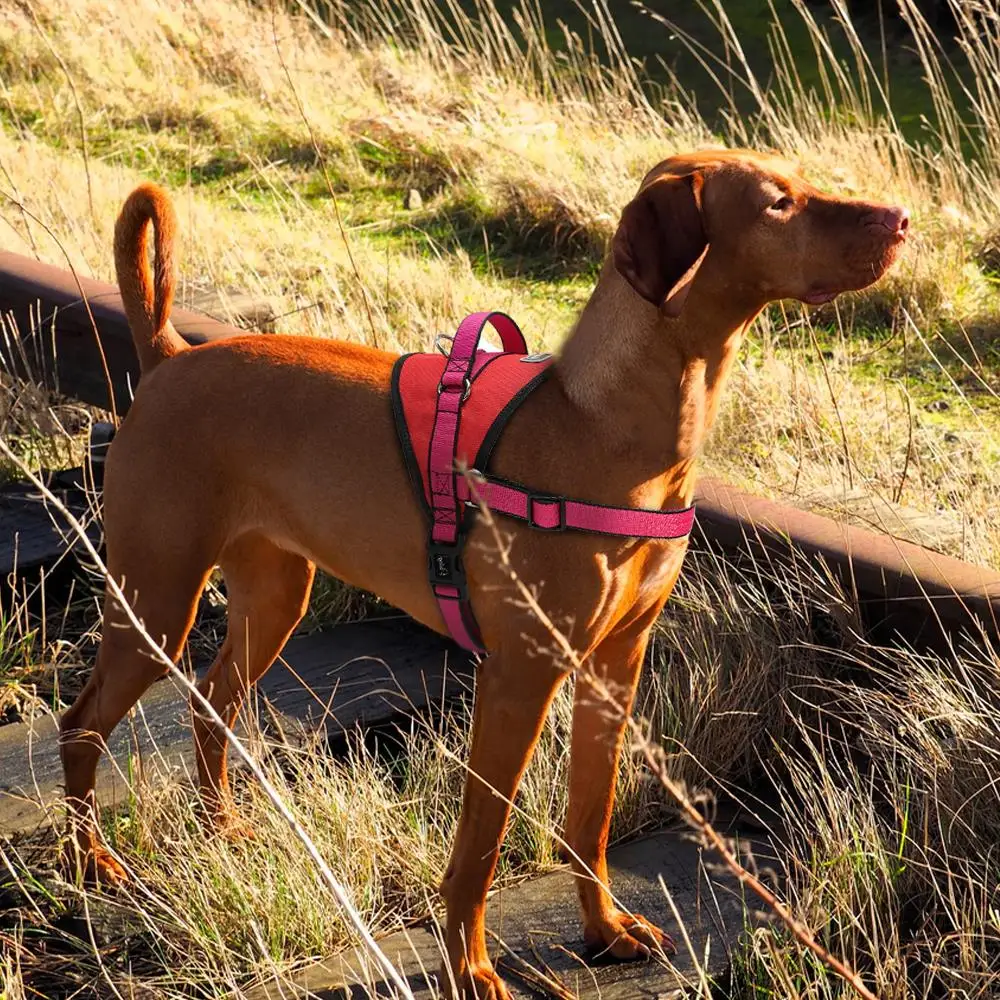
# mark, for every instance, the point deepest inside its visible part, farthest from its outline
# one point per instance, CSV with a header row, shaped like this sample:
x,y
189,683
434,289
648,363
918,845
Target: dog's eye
x,y
783,204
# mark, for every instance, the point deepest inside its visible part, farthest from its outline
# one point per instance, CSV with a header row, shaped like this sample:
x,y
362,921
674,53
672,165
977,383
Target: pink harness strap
x,y
549,513
449,494
447,575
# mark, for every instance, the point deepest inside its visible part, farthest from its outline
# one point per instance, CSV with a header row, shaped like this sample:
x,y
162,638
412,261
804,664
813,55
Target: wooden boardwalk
x,y
539,924
364,674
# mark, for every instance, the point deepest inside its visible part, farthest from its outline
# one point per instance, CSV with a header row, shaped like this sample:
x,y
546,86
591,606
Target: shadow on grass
x,y
541,243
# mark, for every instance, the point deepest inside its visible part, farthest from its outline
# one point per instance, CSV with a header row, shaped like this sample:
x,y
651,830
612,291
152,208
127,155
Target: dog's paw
x,y
626,937
96,864
230,826
478,983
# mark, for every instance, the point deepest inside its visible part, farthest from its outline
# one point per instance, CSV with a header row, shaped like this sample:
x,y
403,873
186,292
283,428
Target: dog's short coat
x,y
268,456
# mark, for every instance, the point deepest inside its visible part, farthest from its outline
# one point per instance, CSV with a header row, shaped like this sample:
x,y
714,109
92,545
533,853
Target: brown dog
x,y
269,455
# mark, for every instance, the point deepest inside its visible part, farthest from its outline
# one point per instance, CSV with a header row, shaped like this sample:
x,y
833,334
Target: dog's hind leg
x,y
268,591
513,695
163,591
598,733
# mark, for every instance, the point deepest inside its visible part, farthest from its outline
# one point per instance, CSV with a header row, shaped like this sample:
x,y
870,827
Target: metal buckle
x,y
444,567
543,498
438,346
466,388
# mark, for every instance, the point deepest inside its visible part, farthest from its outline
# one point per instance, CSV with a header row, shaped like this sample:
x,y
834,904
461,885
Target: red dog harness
x,y
449,414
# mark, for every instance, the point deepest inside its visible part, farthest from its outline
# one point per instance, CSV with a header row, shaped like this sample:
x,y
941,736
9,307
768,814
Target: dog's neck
x,y
650,387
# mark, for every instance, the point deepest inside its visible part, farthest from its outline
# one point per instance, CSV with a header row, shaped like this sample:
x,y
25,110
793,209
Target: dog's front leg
x,y
598,731
512,699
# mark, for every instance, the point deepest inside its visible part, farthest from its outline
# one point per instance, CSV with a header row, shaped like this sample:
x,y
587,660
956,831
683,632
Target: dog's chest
x,y
661,562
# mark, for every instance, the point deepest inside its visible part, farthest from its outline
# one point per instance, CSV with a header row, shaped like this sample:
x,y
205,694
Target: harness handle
x,y
462,355
453,390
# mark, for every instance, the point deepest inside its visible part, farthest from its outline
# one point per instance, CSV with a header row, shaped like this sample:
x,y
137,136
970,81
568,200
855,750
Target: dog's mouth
x,y
866,256
826,291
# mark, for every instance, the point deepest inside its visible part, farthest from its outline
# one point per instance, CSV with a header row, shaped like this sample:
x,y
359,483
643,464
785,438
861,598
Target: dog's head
x,y
767,233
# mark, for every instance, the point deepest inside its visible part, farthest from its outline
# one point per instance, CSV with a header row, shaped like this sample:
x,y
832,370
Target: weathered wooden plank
x,y
539,920
158,735
349,676
361,674
33,533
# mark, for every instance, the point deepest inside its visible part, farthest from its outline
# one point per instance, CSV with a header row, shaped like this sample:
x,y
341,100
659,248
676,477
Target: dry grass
x,y
523,160
881,763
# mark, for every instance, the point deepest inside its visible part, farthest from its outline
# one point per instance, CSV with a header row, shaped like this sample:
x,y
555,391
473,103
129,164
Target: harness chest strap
x,y
450,493
556,513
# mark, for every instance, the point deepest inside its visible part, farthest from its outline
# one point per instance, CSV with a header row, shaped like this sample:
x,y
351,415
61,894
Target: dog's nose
x,y
895,219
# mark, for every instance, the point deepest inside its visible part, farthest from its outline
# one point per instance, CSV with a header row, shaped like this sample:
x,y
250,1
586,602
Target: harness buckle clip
x,y
445,569
547,500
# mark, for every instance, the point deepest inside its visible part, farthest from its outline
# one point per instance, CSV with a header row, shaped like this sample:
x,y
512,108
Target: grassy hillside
x,y
292,147
702,50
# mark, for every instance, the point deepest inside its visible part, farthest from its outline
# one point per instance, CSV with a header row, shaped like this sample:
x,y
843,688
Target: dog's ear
x,y
661,241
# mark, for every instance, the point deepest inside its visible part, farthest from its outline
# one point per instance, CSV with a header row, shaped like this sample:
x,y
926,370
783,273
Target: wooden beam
x,y
49,336
902,589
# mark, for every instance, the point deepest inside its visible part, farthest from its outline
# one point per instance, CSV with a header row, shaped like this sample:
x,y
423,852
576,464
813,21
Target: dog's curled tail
x,y
148,293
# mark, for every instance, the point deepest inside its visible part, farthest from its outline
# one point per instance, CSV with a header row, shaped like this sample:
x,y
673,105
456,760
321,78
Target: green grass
x,y
18,658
